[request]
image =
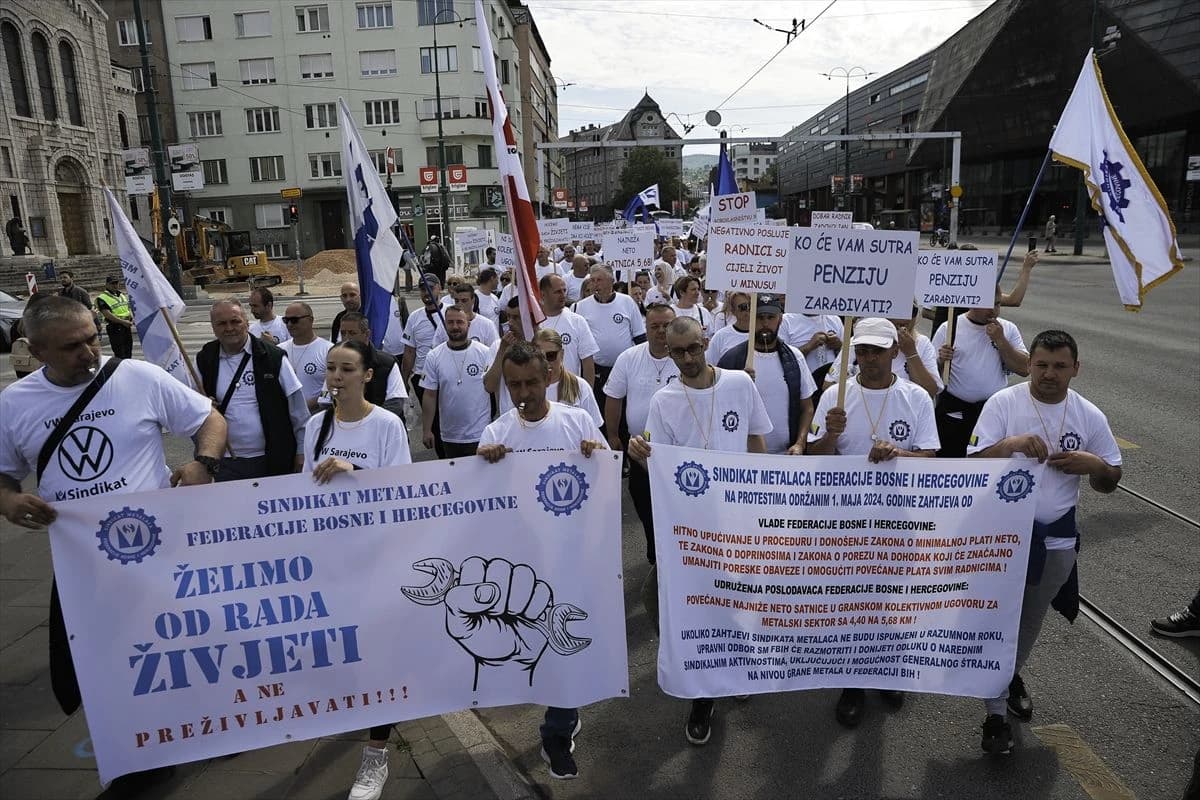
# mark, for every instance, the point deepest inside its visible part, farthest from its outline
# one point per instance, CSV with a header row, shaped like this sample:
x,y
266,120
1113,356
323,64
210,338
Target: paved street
x,y
1092,698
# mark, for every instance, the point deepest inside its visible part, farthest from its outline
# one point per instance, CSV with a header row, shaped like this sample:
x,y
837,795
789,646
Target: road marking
x,y
1125,444
1100,782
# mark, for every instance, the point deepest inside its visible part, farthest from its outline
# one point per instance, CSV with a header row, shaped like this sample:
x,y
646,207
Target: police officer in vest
x,y
113,305
255,388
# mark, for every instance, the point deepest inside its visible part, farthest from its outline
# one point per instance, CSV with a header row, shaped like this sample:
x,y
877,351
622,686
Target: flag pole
x,y
753,322
1024,213
847,328
191,368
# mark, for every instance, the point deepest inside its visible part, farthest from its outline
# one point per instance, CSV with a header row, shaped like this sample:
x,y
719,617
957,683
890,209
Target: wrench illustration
x,y
552,623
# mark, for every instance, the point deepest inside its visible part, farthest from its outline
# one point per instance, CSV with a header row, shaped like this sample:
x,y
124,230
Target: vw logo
x,y
85,454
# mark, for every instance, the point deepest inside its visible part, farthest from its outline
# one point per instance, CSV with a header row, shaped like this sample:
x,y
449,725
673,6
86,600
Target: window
x,y
485,156
320,115
262,120
66,58
216,214
453,155
430,11
875,98
908,122
133,209
312,19
447,59
214,172
257,70
383,112
193,29
123,131
372,63
41,65
144,128
316,66
908,84
138,78
476,59
278,250
829,145
451,108
374,15
325,165
204,123
270,215
16,69
814,129
380,159
199,76
266,168
504,71
127,32
252,24
833,119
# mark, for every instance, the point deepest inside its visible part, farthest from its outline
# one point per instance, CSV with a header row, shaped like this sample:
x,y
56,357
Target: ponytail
x,y
568,388
323,434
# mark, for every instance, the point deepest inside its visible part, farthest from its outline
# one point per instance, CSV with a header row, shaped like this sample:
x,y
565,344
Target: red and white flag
x,y
521,221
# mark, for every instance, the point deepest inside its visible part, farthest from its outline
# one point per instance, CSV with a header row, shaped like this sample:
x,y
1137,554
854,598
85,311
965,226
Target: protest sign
x,y
734,208
700,227
582,231
747,256
780,575
961,278
238,618
859,273
506,251
832,219
556,230
471,240
669,226
628,251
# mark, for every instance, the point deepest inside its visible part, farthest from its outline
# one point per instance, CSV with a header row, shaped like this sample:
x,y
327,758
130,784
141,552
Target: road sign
x,y
456,174
294,193
390,158
956,191
173,226
428,178
560,199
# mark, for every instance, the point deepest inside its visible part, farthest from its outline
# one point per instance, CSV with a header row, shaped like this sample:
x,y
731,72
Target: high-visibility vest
x,y
118,304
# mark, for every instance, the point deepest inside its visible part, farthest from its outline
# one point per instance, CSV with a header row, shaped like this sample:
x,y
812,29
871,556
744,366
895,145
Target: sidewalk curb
x,y
477,739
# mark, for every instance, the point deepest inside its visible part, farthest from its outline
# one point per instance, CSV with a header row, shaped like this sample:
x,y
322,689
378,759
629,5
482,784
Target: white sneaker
x,y
372,774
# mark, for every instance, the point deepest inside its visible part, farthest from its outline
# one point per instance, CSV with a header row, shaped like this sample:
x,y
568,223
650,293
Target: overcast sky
x,y
692,54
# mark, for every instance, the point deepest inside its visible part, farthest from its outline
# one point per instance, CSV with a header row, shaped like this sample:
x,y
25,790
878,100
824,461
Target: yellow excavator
x,y
213,253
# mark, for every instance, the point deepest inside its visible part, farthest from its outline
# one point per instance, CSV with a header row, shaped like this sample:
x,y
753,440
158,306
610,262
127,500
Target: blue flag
x,y
726,182
376,249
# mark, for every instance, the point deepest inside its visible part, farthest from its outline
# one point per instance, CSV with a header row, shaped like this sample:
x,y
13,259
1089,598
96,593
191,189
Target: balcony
x,y
458,118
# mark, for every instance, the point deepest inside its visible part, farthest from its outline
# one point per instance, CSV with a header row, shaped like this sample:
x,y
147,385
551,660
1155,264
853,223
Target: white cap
x,y
874,331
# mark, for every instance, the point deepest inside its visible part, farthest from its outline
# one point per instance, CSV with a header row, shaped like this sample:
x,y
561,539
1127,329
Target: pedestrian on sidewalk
x,y
1051,232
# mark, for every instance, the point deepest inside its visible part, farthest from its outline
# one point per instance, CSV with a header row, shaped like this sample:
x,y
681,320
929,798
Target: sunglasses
x,y
551,355
742,307
294,320
692,350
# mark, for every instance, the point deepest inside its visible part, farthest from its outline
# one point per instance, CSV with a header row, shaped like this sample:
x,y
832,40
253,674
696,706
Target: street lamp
x,y
842,72
443,185
687,128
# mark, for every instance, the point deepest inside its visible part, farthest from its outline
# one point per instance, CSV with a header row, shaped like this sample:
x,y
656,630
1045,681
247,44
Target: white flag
x,y
1141,239
649,196
152,299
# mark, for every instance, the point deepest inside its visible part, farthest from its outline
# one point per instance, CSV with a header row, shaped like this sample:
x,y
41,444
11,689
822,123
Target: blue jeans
x,y
559,722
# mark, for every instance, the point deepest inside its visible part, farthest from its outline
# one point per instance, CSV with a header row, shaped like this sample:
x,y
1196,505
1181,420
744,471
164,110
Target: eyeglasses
x,y
692,350
551,355
742,307
294,320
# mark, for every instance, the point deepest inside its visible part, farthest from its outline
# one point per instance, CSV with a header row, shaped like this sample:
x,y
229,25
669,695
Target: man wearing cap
x,y
418,339
113,305
782,377
916,359
985,352
884,418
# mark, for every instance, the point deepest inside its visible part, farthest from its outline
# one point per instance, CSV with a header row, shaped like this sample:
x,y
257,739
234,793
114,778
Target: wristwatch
x,y
213,465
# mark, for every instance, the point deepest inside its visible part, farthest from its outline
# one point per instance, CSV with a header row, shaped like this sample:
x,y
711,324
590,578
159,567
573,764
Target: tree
x,y
645,167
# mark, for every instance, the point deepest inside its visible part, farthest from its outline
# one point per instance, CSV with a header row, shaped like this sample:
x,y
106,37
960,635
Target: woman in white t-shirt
x,y
565,386
661,291
355,434
687,289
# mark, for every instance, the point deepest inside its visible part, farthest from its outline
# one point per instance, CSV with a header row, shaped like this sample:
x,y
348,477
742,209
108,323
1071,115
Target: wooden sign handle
x,y
847,326
950,343
750,341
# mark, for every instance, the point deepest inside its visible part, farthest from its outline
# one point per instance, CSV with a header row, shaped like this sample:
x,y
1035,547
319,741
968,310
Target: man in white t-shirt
x,y
580,266
479,328
884,417
916,359
116,449
985,352
453,384
487,303
266,324
536,424
544,265
781,375
567,261
639,372
615,321
708,408
670,258
306,351
418,338
1045,419
819,337
579,345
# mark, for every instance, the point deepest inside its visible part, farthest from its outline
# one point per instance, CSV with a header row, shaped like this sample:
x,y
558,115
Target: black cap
x,y
768,303
112,279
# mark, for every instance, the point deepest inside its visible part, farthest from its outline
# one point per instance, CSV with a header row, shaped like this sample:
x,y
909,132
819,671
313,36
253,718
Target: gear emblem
x,y
1015,486
562,489
1114,185
129,535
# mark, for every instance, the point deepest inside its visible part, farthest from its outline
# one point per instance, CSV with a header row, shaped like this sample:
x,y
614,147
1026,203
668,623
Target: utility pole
x,y
1081,194
161,179
842,72
443,183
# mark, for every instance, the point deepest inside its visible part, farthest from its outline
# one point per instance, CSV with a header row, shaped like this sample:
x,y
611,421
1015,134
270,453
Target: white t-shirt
x,y
724,340
578,341
574,286
798,329
1010,412
418,334
480,329
549,269
309,362
636,376
656,295
563,428
464,406
393,337
925,351
768,378
586,399
377,440
116,445
275,327
614,325
698,313
717,418
489,307
246,437
903,416
977,371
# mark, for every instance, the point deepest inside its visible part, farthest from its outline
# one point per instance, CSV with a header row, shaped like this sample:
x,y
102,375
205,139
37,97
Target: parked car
x,y
10,311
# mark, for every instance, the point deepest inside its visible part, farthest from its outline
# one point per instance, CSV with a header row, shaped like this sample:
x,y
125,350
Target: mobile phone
x,y
1032,244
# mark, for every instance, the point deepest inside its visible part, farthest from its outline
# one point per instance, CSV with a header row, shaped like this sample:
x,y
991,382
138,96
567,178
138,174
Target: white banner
x,y
669,226
700,227
747,256
960,278
506,251
236,618
582,231
828,571
554,230
734,208
468,240
628,251
856,273
832,219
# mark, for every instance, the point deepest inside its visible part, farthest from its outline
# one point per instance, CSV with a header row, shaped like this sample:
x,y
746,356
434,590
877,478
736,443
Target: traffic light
x,y
294,213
